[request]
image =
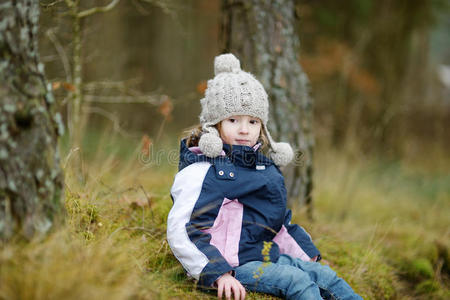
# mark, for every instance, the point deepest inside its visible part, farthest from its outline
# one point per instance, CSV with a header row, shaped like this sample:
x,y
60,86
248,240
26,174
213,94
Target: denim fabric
x,y
293,278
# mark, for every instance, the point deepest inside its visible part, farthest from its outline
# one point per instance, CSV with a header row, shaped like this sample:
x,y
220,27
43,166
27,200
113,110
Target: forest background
x,y
379,75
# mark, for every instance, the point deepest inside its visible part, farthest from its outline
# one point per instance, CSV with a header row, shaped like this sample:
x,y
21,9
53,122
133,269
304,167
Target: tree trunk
x,y
262,34
31,179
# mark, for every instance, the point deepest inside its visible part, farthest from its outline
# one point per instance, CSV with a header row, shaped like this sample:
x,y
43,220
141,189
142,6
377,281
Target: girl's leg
x,y
323,276
279,280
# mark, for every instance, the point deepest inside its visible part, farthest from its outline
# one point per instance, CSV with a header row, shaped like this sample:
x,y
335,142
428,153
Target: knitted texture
x,y
235,92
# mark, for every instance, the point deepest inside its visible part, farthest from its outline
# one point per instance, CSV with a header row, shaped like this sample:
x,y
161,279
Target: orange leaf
x,y
56,85
201,87
146,144
166,107
68,87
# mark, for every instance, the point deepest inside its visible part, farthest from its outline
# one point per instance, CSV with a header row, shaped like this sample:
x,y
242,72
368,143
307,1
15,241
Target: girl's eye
x,y
232,120
253,121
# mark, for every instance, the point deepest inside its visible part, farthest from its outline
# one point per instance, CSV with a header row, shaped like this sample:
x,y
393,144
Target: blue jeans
x,y
293,278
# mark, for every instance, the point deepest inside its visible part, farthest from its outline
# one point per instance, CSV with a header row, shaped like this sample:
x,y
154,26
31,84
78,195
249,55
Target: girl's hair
x,y
193,134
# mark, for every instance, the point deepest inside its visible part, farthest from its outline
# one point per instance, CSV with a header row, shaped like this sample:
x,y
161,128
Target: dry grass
x,y
397,217
381,226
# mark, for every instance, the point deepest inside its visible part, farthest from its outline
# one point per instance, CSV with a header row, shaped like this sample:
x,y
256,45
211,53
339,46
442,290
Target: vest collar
x,y
246,156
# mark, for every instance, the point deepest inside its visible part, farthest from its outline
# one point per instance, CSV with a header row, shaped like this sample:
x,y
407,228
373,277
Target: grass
x,y
383,226
396,216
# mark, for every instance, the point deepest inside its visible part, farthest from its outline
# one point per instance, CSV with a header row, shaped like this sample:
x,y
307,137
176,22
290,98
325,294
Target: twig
x,y
69,3
148,201
112,118
150,232
160,131
121,99
49,58
95,10
62,54
140,8
69,155
121,85
50,4
107,186
166,6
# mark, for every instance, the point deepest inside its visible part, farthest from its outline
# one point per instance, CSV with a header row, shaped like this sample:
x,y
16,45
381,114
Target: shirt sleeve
x,y
197,202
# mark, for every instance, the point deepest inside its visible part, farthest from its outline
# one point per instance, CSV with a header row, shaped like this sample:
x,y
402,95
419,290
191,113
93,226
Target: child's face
x,y
240,130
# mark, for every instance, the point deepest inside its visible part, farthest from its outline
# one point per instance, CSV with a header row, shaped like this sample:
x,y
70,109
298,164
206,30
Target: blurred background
x,y
379,70
379,73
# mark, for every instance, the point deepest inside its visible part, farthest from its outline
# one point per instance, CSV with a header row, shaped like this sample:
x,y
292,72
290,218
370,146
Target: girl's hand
x,y
228,283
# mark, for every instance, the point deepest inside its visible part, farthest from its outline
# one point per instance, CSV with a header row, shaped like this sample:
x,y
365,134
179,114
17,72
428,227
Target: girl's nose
x,y
243,128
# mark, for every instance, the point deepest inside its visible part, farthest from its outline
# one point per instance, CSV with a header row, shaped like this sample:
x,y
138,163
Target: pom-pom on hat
x,y
235,92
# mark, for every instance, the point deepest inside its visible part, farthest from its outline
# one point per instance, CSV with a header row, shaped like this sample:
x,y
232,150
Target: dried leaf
x,y
146,143
201,87
68,87
166,107
364,82
56,85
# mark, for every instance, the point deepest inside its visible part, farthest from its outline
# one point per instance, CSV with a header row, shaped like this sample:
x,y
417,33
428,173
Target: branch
x,y
168,6
95,10
164,5
125,87
110,84
114,119
122,99
62,54
70,3
45,6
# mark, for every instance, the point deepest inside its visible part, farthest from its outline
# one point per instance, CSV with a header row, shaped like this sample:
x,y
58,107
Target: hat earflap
x,y
281,153
210,142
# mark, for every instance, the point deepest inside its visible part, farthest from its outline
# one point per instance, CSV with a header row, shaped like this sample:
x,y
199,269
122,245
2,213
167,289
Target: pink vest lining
x,y
288,245
226,231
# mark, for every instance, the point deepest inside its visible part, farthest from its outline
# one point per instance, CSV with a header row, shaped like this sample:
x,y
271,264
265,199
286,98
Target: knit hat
x,y
235,92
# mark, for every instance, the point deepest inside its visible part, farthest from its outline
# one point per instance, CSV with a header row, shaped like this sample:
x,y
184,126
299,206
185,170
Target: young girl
x,y
229,225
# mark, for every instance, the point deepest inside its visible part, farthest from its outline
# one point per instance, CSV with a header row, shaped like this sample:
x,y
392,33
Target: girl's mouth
x,y
242,141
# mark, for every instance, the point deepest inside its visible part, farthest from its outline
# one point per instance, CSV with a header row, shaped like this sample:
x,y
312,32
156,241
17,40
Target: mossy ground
x,y
383,226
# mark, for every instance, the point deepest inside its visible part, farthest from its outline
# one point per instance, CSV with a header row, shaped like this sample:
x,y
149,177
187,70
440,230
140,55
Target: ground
x,y
382,225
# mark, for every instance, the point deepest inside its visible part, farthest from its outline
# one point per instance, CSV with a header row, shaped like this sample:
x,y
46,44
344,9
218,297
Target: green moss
x,y
427,287
416,270
364,269
422,268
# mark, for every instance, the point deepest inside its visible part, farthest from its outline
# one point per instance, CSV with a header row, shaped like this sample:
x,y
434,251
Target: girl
x,y
229,225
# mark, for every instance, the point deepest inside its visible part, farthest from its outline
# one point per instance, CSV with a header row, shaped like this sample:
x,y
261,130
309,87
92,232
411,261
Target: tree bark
x,y
31,179
262,34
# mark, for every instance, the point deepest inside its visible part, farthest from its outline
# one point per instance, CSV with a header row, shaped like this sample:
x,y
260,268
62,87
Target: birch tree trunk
x,y
31,179
262,34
